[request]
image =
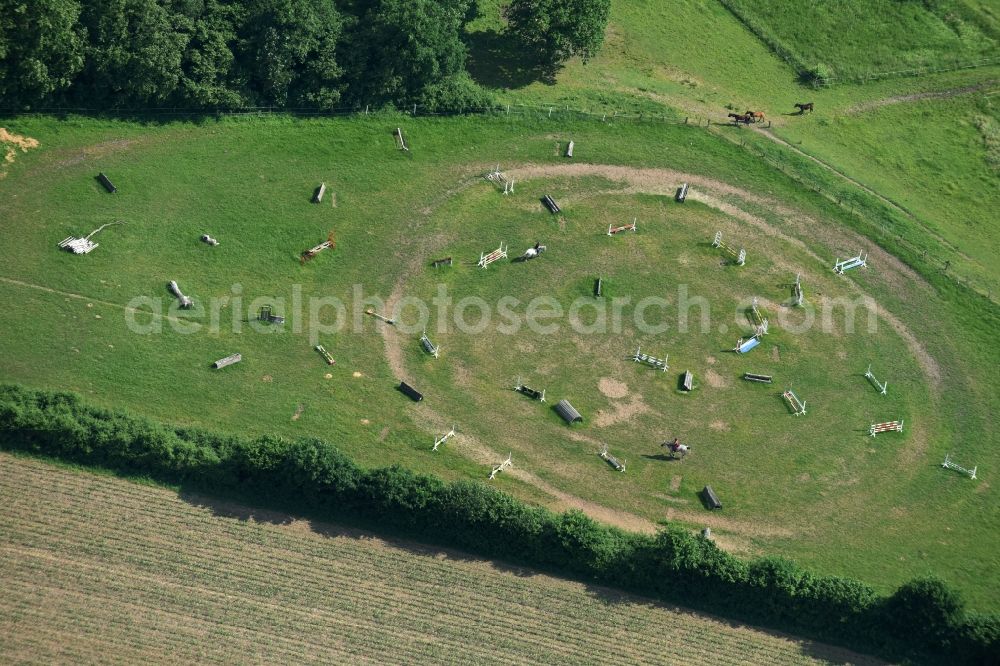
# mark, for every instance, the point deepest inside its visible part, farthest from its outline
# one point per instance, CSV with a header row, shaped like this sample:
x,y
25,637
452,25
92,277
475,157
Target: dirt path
x,y
916,97
82,297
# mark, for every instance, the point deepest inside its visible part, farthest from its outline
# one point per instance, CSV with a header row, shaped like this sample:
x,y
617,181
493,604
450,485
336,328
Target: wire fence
x,y
876,228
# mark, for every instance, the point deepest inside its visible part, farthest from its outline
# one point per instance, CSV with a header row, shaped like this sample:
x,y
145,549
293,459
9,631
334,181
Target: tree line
x,y
924,620
223,54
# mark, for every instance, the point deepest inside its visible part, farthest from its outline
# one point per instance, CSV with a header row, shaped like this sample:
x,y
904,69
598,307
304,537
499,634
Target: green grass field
x,y
854,39
815,488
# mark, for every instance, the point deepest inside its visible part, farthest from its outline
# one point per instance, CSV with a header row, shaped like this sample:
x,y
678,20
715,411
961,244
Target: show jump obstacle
x,y
797,291
754,377
739,256
400,141
658,363
524,389
83,245
743,346
438,441
312,252
371,312
614,462
325,354
759,320
948,464
496,255
847,264
501,467
625,227
881,387
888,426
500,179
229,360
798,406
429,346
185,302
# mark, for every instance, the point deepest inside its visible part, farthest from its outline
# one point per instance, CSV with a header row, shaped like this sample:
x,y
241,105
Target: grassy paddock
x,y
854,39
248,182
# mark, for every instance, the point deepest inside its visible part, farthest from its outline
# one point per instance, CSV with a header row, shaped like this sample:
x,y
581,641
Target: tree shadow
x,y
498,60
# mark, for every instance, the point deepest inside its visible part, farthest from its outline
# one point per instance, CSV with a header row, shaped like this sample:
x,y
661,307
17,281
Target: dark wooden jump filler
x,y
410,392
106,182
682,193
551,204
710,498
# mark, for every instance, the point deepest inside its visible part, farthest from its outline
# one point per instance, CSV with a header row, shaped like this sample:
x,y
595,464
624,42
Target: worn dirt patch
x,y
365,422
298,412
675,483
622,412
720,426
711,360
714,379
775,354
328,375
382,435
612,388
356,374
267,379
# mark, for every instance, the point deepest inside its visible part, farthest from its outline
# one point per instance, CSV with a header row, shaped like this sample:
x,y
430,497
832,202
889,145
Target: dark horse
x,y
745,118
808,106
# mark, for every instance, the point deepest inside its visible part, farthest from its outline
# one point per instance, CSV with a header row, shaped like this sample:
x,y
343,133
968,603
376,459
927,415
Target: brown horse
x,y
758,116
808,106
746,119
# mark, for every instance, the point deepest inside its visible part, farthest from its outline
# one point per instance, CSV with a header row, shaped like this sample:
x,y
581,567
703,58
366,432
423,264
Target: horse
x,y
746,119
758,116
675,449
532,252
808,106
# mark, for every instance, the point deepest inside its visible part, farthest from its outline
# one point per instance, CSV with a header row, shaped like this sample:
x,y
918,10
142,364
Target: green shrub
x,y
924,619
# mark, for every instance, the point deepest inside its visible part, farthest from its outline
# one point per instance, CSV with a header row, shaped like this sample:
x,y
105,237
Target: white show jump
x,y
617,464
429,346
496,255
948,464
740,256
888,426
501,467
185,302
880,386
847,264
798,406
83,245
534,394
759,320
438,441
371,312
743,346
625,227
500,179
652,361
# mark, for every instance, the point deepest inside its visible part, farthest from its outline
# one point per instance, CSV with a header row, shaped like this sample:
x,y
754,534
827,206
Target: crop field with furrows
x,y
97,568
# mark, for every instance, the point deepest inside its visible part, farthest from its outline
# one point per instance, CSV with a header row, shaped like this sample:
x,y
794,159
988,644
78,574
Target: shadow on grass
x,y
497,60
